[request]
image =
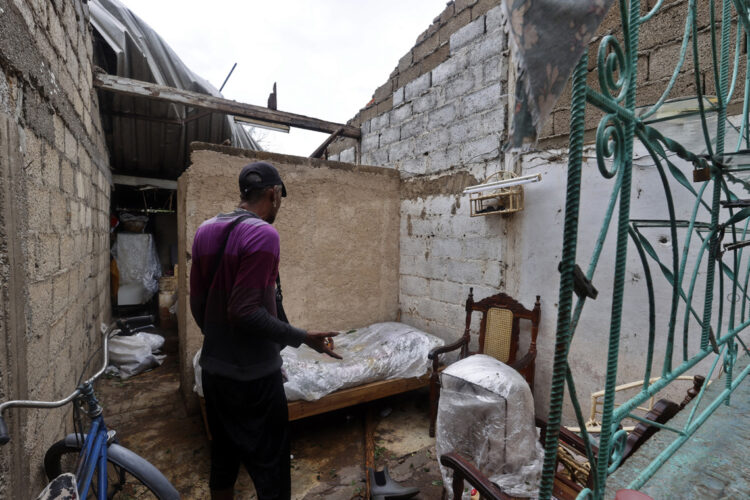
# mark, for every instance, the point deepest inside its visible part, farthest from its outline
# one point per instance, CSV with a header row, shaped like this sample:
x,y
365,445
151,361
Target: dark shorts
x,y
249,422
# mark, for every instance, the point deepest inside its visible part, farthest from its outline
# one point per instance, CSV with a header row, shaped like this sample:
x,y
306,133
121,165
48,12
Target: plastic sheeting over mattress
x,y
380,351
377,352
486,414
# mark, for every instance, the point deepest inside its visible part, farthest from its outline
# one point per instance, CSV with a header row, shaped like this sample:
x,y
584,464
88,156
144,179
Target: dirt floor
x,y
327,450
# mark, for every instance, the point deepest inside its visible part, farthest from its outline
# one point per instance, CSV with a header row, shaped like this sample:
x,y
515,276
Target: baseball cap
x,y
260,174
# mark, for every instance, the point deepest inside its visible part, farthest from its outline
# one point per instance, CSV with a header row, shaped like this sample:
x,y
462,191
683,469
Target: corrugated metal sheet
x,y
145,137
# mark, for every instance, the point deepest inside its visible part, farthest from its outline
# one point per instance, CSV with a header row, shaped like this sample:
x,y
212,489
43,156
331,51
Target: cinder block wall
x,y
54,214
441,124
339,239
441,119
659,48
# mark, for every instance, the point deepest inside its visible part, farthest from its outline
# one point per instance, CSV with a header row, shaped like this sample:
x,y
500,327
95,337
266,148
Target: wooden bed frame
x,y
356,395
345,397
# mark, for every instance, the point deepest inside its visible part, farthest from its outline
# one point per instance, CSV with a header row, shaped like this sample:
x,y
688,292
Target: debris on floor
x,y
328,450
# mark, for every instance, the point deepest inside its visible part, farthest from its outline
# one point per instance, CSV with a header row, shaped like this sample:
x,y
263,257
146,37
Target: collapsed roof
x,y
148,138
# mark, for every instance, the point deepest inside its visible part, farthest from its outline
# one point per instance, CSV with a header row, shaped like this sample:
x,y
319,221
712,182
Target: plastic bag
x,y
198,386
138,263
134,354
380,351
486,413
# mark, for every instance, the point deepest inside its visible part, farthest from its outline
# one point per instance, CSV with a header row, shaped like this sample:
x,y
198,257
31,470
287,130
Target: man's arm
x,y
256,274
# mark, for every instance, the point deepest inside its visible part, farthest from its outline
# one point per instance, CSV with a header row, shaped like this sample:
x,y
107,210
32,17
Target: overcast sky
x,y
327,56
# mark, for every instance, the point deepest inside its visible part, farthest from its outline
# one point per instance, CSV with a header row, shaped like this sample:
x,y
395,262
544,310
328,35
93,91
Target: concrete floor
x,y
327,450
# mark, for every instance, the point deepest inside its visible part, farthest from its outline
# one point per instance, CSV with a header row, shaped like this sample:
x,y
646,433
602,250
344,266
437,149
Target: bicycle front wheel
x,y
128,475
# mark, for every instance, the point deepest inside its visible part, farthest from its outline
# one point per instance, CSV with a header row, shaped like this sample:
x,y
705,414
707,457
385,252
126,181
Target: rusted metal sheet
x,y
127,86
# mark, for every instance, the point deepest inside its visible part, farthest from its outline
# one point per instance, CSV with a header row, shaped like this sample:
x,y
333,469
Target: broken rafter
x,y
127,86
319,152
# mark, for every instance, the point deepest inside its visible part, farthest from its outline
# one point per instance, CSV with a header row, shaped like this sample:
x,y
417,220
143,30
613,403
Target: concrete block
x,y
59,133
413,246
463,271
448,291
414,285
490,45
347,155
380,157
495,19
433,140
493,70
67,177
459,86
38,208
59,212
80,185
476,102
68,253
493,273
390,135
379,122
451,67
418,86
370,142
400,114
425,102
467,34
398,97
447,248
401,150
71,146
443,115
410,167
413,127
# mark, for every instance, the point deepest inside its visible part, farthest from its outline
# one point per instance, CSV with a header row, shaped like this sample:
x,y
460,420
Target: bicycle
x,y
120,473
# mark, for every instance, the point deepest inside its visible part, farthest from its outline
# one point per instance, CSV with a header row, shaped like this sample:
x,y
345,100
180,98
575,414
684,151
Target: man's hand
x,y
319,342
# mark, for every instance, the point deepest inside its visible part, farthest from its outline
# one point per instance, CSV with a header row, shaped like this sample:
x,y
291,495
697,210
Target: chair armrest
x,y
524,362
447,348
466,470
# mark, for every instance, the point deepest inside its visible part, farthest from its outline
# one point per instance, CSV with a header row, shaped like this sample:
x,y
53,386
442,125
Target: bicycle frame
x,y
93,456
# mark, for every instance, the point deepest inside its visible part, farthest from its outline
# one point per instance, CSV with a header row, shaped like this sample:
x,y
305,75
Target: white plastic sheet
x,y
138,262
134,354
486,414
377,352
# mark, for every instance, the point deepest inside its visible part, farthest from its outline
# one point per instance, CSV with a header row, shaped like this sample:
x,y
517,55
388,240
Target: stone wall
x,y
339,239
54,219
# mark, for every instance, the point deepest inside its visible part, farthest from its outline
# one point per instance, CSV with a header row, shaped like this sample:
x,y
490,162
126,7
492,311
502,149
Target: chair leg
x,y
434,396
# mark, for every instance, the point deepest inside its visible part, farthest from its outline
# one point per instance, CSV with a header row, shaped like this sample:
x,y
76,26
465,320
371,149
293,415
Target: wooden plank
x,y
355,395
131,180
319,150
127,86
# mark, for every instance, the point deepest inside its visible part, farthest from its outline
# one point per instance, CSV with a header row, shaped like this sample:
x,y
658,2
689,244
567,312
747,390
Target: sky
x,y
327,57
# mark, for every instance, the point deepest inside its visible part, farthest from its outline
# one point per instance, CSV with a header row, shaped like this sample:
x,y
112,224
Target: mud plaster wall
x,y
339,238
54,220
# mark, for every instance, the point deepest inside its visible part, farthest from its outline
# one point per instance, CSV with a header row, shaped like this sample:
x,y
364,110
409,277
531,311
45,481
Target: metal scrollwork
x,y
618,450
610,143
585,494
612,61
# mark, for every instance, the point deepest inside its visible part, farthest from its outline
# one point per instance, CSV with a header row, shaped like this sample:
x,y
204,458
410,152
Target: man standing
x,y
235,262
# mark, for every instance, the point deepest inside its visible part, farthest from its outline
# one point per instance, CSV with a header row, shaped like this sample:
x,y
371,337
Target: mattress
x,y
381,351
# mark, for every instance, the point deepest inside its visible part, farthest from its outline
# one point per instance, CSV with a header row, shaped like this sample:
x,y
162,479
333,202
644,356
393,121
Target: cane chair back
x,y
498,334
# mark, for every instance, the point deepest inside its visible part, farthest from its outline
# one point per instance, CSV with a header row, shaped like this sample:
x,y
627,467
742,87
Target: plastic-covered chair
x,y
499,333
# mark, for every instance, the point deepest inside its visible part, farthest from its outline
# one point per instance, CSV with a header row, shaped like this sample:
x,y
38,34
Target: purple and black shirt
x,y
237,312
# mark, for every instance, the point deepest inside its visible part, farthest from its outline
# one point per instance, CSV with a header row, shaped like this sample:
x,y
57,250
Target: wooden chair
x,y
498,337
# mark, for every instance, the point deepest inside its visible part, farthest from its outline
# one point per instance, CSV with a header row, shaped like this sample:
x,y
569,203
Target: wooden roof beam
x,y
127,86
